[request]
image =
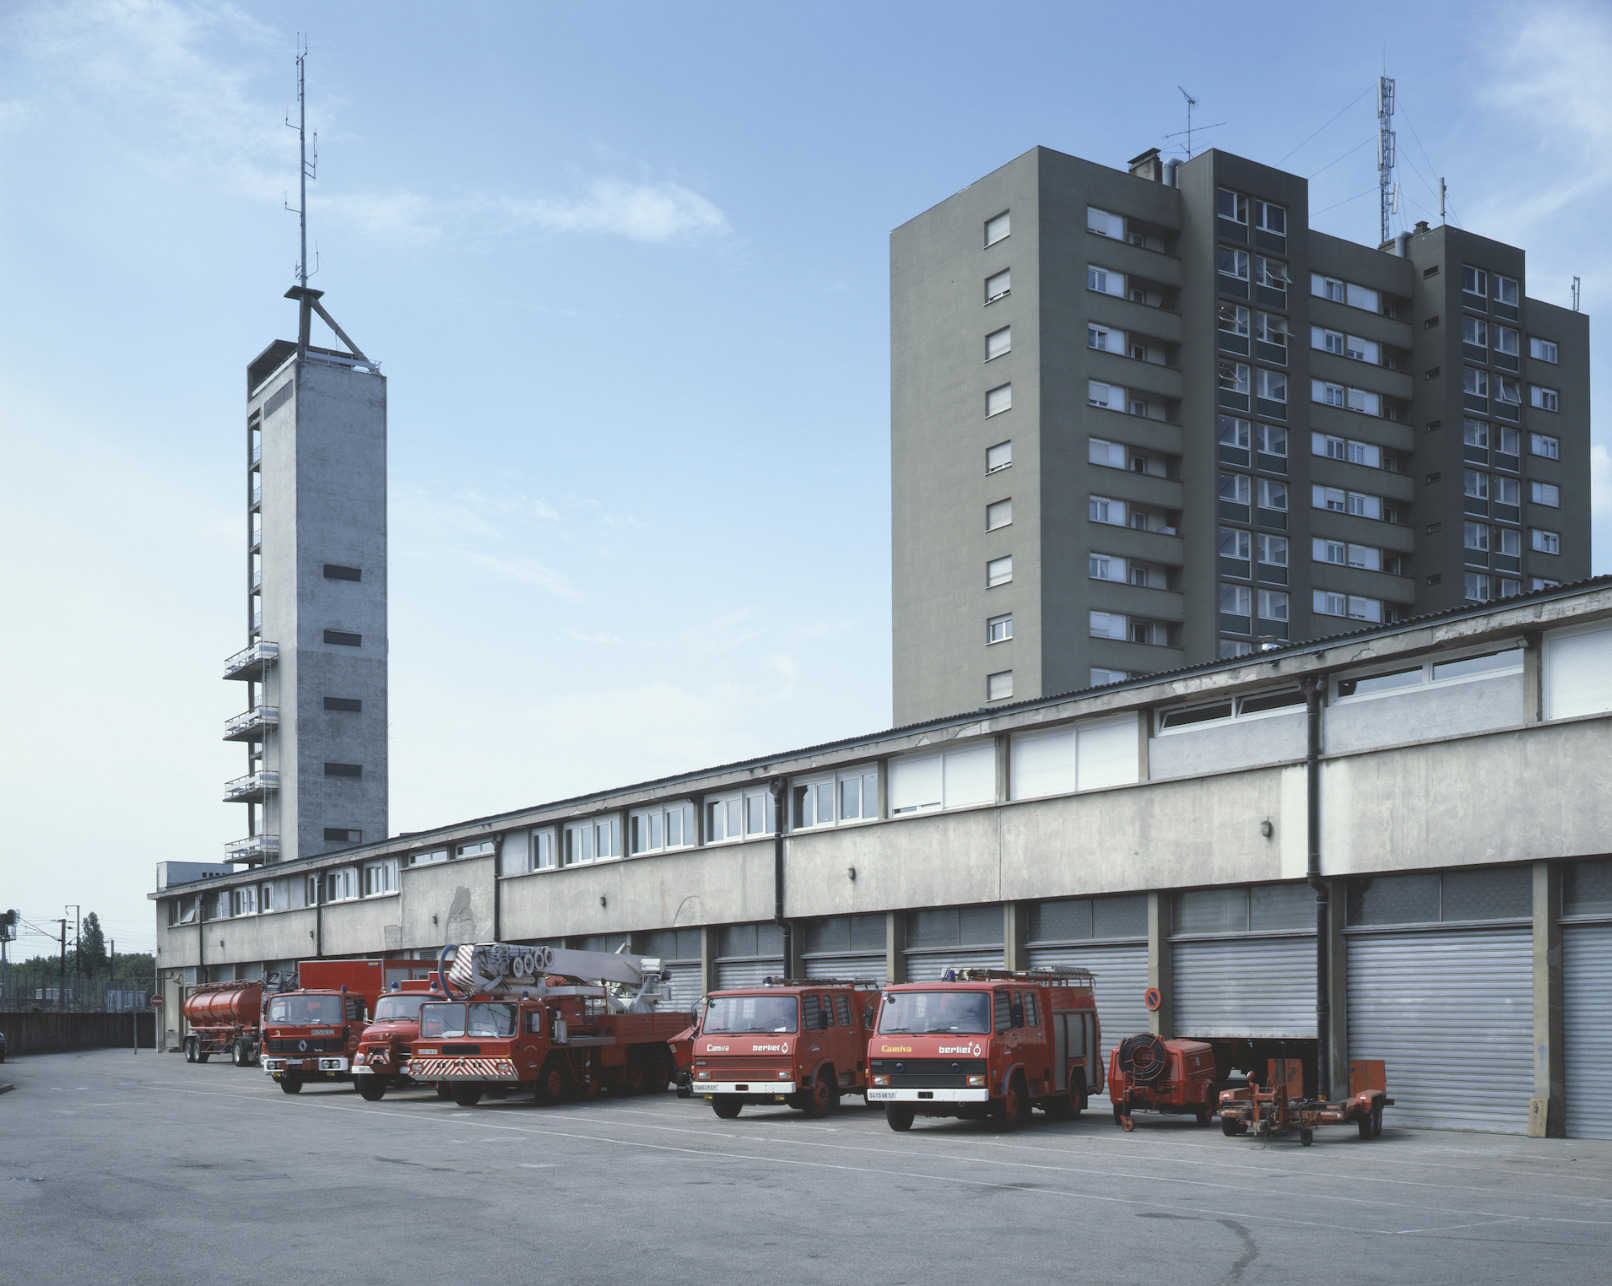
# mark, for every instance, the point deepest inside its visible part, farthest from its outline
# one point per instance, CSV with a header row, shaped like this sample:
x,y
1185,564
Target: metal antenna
x,y
1385,148
1191,103
307,169
1575,294
1441,200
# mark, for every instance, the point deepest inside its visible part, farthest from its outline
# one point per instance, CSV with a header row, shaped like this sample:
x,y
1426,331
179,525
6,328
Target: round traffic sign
x,y
156,1002
1152,999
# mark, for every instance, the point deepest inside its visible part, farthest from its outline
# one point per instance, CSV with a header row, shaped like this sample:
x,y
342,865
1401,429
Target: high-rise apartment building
x,y
315,660
1146,419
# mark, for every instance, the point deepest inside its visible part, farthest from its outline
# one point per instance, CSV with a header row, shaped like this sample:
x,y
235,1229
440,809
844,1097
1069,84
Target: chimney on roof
x,y
1148,166
1421,225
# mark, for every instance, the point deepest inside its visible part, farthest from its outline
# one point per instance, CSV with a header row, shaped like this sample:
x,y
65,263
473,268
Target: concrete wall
x,y
51,1033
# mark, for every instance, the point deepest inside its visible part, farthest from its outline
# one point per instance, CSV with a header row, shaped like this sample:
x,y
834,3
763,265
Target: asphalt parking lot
x,y
143,1168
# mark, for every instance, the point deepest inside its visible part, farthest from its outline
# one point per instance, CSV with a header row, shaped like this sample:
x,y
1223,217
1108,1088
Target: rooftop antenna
x,y
1575,294
1191,103
307,169
1441,200
1385,149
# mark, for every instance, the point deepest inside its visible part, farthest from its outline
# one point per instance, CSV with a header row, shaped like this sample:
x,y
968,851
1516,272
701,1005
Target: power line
x,y
1346,200
1345,156
1345,108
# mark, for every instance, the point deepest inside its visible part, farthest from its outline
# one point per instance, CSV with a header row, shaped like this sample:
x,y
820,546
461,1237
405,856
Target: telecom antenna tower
x,y
1385,149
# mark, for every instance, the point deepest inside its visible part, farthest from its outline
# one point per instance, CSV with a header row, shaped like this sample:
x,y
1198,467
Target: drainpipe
x,y
779,787
498,888
1313,687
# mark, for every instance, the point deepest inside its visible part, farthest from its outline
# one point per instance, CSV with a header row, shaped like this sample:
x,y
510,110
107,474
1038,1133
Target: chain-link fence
x,y
49,993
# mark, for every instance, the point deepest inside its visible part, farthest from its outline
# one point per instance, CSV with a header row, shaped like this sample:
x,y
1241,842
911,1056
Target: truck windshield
x,y
749,1013
305,1011
391,1009
913,1013
446,1020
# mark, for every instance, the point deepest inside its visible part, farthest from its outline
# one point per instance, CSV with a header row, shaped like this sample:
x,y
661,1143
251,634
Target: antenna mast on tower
x,y
307,169
1191,103
1385,148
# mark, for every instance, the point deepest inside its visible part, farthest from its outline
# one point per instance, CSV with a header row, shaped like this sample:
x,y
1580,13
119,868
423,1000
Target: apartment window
x,y
1272,274
1235,543
340,638
352,705
1546,399
1272,495
1474,281
997,229
1272,605
1542,350
1474,382
1329,602
998,343
1104,224
1477,536
998,285
998,399
1475,433
334,571
1546,542
1103,509
1328,341
1272,330
1110,455
1541,582
1233,263
1270,218
1479,587
1364,506
1546,493
1107,567
1235,433
344,770
1328,551
1235,377
999,686
1507,341
1509,391
542,851
1327,393
1510,542
1328,288
999,514
380,877
1106,625
1104,281
343,835
849,796
1272,551
1334,498
243,901
1236,600
595,839
1272,440
999,571
1104,338
999,629
341,885
1231,205
1507,491
1363,453
1234,320
1105,395
1233,648
1101,676
1506,291
1509,588
1474,330
1542,444
1328,445
1272,386
1475,484
662,827
1235,488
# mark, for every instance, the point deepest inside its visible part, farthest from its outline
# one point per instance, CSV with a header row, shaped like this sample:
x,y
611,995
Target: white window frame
x,y
999,571
1546,399
1239,263
736,808
1545,445
1097,563
1544,350
998,228
1105,281
1427,679
1272,386
380,878
999,686
999,400
588,840
649,829
1004,449
999,285
1545,541
1325,287
999,514
1545,493
999,629
805,810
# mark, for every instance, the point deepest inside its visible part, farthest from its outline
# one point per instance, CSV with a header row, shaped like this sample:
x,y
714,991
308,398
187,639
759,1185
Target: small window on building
x,y
335,571
1546,493
1474,281
999,687
999,629
1543,444
998,399
351,705
998,342
1506,291
340,638
343,835
998,285
998,228
1101,676
1231,205
1542,350
344,770
999,514
1546,542
998,457
1546,399
999,571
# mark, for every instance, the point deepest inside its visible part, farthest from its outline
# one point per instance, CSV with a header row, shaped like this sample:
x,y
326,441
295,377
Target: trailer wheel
x,y
550,1086
727,1106
290,1084
1306,1137
820,1099
1119,1114
372,1089
1377,1120
465,1094
1230,1128
202,1055
898,1116
442,1091
190,1049
241,1053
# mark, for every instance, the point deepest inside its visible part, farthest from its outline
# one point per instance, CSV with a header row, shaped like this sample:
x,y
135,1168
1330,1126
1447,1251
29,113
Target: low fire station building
x,y
1155,831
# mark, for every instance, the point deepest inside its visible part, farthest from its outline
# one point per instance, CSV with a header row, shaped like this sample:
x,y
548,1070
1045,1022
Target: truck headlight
x,y
881,1080
783,1076
976,1082
702,1076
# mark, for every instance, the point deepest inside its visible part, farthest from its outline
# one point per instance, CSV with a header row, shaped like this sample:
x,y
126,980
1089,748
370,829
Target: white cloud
x,y
640,211
1600,482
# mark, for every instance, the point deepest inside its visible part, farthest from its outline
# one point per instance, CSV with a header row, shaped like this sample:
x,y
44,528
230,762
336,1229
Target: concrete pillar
x,y
1533,683
1338,988
1160,964
895,945
708,948
1004,769
1547,1107
795,966
1015,921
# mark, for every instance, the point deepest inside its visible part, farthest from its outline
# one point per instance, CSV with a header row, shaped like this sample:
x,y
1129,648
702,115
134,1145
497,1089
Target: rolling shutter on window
x,y
1578,672
914,783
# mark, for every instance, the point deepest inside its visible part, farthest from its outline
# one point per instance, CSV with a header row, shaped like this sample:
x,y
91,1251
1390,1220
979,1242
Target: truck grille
x,y
304,1045
927,1073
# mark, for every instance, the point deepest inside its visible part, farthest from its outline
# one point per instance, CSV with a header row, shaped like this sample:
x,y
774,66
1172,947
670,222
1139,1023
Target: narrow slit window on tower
x,y
350,704
335,571
343,639
344,770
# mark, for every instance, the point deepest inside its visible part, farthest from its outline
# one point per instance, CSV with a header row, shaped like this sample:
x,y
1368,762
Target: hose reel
x,y
1144,1059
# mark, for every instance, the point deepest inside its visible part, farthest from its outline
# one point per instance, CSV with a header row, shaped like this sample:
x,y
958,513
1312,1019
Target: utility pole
x,y
61,972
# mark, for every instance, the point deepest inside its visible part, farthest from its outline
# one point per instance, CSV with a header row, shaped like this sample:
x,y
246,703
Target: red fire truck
x,y
547,1020
800,1042
311,1034
986,1043
382,1060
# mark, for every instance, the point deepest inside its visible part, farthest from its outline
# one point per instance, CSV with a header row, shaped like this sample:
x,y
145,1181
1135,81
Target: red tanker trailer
x,y
224,1018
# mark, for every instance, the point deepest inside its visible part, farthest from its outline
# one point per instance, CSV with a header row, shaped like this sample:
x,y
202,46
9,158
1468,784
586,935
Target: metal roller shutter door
x,y
1587,1028
684,985
929,967
1258,987
869,965
1451,1014
747,973
1121,972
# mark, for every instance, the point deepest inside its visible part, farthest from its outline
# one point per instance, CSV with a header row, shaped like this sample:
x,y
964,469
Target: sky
x,y
625,268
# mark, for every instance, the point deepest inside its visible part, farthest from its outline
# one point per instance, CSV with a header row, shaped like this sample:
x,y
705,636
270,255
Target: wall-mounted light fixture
x,y
1266,829
851,871
603,900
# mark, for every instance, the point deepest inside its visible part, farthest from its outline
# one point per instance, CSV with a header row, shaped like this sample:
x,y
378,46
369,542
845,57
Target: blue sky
x,y
625,266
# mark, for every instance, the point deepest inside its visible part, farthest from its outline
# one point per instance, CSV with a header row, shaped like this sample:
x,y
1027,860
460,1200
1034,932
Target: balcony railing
x,y
250,725
249,663
254,848
253,788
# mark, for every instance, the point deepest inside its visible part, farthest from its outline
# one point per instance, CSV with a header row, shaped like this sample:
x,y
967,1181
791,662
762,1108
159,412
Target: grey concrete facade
x,y
1193,401
315,727
1490,760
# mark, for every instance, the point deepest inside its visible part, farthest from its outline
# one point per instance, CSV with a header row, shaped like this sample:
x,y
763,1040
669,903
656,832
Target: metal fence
x,y
49,993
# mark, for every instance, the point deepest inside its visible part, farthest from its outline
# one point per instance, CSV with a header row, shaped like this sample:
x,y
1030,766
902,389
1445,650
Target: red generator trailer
x,y
1278,1108
801,1042
382,1060
224,1018
1149,1073
986,1043
312,1033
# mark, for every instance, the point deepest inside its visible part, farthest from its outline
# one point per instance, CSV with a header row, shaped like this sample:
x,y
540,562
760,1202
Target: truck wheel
x,y
372,1089
820,1098
1230,1128
190,1049
442,1091
898,1116
290,1084
634,1077
727,1106
202,1055
1306,1137
1008,1111
465,1094
1377,1120
658,1071
241,1052
1204,1114
550,1083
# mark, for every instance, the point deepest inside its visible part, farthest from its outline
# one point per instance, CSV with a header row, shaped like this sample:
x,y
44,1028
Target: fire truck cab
x,y
382,1060
986,1043
312,1033
800,1042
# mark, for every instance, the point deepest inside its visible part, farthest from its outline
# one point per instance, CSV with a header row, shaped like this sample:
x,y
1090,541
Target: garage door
x,y
1121,980
928,966
1451,1014
683,985
1587,1028
1251,987
855,967
748,973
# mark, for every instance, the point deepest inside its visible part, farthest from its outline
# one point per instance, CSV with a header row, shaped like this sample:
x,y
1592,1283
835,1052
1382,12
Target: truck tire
x,y
290,1084
1377,1120
1009,1111
241,1052
1230,1128
727,1106
550,1086
1204,1114
372,1089
823,1096
634,1076
898,1116
190,1049
1119,1114
442,1091
658,1070
464,1093
202,1055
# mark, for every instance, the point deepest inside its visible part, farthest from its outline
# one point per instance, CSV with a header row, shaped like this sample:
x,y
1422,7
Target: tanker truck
x,y
224,1018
